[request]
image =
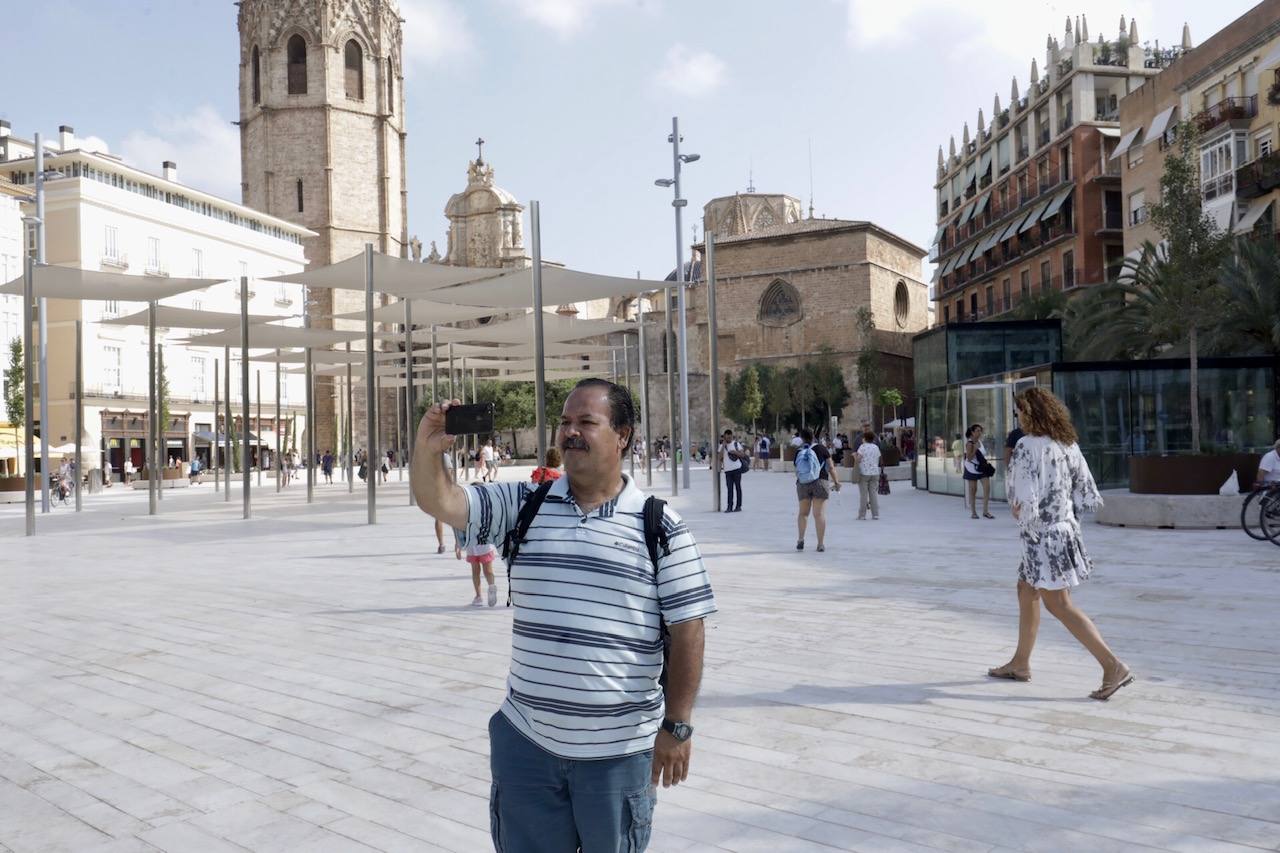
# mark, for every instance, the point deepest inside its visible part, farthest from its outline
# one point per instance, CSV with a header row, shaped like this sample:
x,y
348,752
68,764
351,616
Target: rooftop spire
x,y
751,179
1068,39
940,157
1123,26
1133,31
1186,37
1013,94
1077,39
965,138
982,125
1084,27
995,107
1035,72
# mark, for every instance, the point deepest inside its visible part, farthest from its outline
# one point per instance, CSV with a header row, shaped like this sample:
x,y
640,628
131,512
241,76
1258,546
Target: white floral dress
x,y
1052,485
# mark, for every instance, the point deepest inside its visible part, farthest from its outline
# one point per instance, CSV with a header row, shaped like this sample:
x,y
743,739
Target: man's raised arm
x,y
434,489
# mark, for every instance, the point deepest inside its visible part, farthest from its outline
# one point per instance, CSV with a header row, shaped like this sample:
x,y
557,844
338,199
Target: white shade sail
x,y
521,365
270,336
398,276
382,370
553,375
423,312
519,329
514,351
1251,217
1125,141
1159,125
53,282
173,317
559,286
318,357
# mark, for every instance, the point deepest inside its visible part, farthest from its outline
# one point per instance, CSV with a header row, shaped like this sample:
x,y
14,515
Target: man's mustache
x,y
574,444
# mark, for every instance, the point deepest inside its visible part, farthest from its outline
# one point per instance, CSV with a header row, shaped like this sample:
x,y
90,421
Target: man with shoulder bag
x,y
736,461
610,594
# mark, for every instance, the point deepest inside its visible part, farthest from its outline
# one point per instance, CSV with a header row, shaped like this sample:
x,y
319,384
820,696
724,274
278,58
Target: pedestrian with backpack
x,y
735,460
813,468
597,571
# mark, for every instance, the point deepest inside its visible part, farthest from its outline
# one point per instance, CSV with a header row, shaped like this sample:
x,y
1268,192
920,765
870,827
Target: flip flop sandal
x,y
988,515
1008,672
1109,688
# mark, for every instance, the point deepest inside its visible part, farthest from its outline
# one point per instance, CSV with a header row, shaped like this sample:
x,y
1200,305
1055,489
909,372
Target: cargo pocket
x,y
640,807
495,822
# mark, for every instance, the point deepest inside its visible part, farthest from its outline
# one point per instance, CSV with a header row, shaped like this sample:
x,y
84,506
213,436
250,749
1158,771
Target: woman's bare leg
x,y
1058,602
475,577
820,521
986,496
802,519
439,533
1028,625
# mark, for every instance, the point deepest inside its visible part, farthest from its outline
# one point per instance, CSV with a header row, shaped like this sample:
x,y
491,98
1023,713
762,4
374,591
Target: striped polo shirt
x,y
586,651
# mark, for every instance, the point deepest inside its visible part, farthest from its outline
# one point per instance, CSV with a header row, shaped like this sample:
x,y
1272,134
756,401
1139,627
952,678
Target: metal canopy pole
x,y
79,408
398,444
244,387
435,385
626,369
162,445
643,358
152,417
370,405
226,437
710,237
671,397
678,203
405,456
258,440
43,360
213,441
350,431
29,450
540,371
278,462
311,414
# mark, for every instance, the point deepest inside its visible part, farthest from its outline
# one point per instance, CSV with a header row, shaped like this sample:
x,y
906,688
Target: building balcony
x,y
157,269
1259,177
1107,171
1228,109
1218,187
1042,138
1112,220
1108,114
118,261
1064,124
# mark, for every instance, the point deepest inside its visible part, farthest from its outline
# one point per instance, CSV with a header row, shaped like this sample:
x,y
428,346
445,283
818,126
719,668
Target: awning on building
x,y
950,265
985,163
1110,132
1031,220
1125,141
981,206
1012,230
1159,125
942,229
964,217
1058,201
992,239
1251,216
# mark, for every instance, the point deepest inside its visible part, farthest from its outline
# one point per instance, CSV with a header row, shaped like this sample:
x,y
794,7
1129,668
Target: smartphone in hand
x,y
471,419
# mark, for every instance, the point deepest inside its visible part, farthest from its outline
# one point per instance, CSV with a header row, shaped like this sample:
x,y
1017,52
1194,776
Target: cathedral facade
x,y
323,144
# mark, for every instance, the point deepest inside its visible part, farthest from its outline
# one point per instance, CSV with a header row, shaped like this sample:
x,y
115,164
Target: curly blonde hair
x,y
1040,412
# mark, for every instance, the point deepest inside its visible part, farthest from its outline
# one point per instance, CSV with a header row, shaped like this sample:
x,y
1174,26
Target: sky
x,y
575,99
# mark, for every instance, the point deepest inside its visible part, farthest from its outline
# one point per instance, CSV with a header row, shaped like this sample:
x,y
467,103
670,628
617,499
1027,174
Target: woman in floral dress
x,y
1049,486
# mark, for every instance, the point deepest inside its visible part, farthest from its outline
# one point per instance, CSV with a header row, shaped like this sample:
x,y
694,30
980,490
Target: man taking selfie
x,y
600,575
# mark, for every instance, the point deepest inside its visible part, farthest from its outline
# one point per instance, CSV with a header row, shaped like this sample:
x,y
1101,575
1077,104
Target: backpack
x,y
807,467
655,538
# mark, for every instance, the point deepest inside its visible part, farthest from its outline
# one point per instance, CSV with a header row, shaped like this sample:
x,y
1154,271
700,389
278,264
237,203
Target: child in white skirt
x,y
481,558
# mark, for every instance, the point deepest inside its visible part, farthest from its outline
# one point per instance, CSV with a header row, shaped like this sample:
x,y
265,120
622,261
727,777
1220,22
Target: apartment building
x,y
1229,86
1032,203
104,214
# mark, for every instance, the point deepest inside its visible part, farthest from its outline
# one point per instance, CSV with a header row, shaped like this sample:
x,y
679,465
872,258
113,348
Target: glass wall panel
x,y
974,351
1031,346
1100,410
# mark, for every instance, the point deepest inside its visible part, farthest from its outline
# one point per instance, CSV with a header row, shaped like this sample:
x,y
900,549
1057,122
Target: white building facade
x,y
106,215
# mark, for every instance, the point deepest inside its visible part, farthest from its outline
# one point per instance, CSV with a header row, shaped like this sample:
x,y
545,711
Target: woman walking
x,y
976,470
1049,486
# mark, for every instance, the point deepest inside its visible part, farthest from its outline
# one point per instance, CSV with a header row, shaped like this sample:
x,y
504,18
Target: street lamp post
x,y
677,159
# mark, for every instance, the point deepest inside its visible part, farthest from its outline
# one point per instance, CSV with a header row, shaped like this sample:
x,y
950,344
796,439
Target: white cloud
x,y
694,73
205,146
435,31
999,28
93,143
565,18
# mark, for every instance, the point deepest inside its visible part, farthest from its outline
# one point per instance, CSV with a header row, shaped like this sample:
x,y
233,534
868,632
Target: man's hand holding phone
x,y
431,429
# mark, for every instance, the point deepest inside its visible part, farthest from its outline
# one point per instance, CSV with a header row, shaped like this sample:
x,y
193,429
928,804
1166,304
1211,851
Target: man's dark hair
x,y
806,435
727,432
622,408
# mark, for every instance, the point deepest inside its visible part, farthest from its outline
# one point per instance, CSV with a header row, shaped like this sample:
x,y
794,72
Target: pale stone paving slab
x,y
303,681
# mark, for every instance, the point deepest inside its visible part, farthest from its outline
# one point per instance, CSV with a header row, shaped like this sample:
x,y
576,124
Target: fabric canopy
x,y
514,351
559,286
173,317
53,282
521,365
398,276
1058,201
424,312
551,375
270,336
1125,141
380,370
964,217
1011,230
1110,132
318,357
1250,219
1159,124
1031,220
519,329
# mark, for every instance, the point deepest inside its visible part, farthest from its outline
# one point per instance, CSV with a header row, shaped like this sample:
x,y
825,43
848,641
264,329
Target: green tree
x,y
752,397
889,398
1196,249
162,404
15,399
1051,305
1250,323
731,404
870,375
824,381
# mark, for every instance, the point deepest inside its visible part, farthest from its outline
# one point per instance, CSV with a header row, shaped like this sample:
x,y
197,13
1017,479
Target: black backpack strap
x,y
515,538
655,539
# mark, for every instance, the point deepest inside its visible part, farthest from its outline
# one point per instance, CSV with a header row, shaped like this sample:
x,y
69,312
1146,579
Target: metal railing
x,y
1112,219
1228,109
1219,186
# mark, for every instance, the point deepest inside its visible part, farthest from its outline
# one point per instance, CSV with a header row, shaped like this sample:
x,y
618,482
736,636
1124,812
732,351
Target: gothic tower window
x,y
780,305
353,76
256,71
901,304
296,54
391,87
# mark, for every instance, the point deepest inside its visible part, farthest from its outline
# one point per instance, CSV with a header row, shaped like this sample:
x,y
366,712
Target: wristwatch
x,y
678,729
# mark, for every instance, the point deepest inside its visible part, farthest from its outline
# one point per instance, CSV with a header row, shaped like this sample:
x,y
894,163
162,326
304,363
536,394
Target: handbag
x,y
884,484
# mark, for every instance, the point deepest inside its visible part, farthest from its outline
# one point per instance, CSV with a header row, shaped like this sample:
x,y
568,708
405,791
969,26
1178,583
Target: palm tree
x,y
1250,324
1046,305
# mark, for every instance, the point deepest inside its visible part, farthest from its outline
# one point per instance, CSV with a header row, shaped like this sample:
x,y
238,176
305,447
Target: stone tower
x,y
485,227
322,141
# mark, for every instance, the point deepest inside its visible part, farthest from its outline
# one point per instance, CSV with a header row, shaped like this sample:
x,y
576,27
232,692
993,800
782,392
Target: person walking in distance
x,y
976,470
762,451
734,459
868,462
813,467
587,728
549,470
480,557
1049,487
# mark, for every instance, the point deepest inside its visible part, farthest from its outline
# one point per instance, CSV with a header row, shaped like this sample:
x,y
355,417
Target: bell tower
x,y
322,139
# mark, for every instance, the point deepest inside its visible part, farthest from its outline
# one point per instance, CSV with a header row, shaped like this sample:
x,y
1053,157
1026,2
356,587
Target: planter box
x,y
15,484
1180,512
1190,475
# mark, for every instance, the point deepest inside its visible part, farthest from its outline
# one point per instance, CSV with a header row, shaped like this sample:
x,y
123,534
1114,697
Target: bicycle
x,y
1266,509
60,489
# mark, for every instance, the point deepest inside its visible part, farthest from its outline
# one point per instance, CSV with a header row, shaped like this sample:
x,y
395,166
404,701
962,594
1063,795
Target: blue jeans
x,y
541,803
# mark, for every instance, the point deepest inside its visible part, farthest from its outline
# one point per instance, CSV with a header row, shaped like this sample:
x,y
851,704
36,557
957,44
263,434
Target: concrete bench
x,y
1188,512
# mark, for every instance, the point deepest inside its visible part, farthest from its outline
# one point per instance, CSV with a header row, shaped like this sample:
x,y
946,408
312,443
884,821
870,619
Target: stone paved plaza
x,y
303,681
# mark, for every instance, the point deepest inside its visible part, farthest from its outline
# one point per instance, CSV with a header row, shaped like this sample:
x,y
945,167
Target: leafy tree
x,y
1196,248
752,397
162,404
870,375
824,381
731,404
1250,323
1041,306
890,398
15,400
